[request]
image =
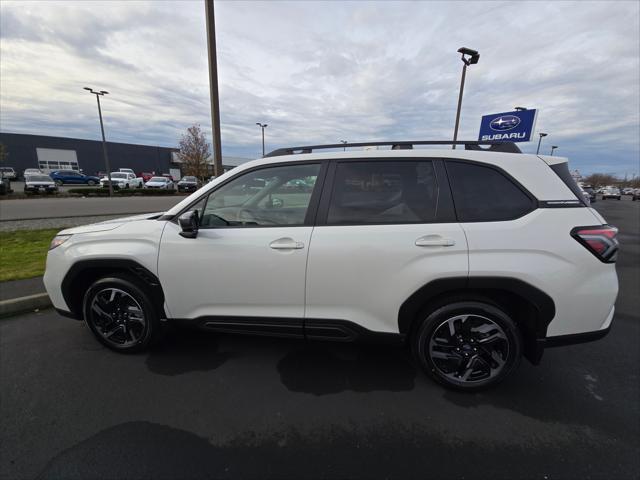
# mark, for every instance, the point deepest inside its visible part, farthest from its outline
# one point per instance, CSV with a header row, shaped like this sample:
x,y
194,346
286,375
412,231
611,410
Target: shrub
x,y
118,192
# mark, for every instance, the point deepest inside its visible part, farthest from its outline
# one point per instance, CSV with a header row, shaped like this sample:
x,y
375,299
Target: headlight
x,y
58,240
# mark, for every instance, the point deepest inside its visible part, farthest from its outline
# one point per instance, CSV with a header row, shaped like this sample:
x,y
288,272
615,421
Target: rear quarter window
x,y
485,194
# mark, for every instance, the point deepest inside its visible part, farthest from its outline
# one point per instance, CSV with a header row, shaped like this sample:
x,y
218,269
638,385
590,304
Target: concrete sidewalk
x,y
19,296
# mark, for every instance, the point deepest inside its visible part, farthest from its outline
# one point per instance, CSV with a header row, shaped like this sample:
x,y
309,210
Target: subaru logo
x,y
505,122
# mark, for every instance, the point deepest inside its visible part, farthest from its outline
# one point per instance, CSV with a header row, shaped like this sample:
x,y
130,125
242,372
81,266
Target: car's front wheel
x,y
91,183
59,183
121,314
467,345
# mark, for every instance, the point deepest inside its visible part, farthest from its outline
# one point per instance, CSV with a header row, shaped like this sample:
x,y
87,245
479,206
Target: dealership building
x,y
61,153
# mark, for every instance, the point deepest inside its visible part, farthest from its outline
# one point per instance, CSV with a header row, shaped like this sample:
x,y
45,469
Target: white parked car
x,y
39,183
611,192
399,245
32,171
160,183
127,170
122,180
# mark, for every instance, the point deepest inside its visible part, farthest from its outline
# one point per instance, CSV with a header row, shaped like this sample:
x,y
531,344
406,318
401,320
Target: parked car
x,y
32,171
474,288
636,194
122,180
146,176
590,192
62,177
8,172
39,183
160,182
188,184
127,170
611,192
627,191
169,176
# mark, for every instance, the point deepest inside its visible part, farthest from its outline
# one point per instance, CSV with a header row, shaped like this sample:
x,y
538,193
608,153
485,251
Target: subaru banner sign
x,y
508,126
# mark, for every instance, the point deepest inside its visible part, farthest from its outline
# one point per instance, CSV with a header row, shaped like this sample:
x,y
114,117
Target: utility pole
x,y
542,135
469,57
104,142
213,87
262,126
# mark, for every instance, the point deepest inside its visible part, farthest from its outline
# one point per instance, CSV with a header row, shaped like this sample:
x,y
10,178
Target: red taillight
x,y
600,240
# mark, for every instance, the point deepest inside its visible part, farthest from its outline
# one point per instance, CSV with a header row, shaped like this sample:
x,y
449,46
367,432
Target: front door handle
x,y
286,243
435,241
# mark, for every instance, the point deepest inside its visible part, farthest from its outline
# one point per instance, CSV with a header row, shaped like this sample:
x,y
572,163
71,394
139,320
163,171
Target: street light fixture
x,y
104,142
553,147
344,142
262,126
540,141
469,57
519,109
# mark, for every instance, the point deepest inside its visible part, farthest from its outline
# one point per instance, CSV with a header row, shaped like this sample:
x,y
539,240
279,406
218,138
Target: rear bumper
x,y
572,339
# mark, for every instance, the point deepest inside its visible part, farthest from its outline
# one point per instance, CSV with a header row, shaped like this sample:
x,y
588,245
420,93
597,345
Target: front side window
x,y
272,196
484,194
384,192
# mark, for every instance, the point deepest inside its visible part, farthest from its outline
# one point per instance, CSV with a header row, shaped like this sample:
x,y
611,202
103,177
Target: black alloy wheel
x,y
468,345
121,315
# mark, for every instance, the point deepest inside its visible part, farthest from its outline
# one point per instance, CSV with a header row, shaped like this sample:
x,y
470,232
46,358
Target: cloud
x,y
319,72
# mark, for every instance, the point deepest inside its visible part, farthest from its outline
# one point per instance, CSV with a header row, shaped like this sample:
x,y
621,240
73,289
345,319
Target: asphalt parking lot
x,y
217,406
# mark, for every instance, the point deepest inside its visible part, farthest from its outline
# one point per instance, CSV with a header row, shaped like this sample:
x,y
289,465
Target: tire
x,y
619,198
59,183
484,338
121,314
91,183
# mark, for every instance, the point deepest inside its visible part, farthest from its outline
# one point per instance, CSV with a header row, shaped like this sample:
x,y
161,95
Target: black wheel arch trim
x,y
108,266
542,305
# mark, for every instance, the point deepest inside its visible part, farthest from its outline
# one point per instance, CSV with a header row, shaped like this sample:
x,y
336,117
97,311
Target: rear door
x,y
385,228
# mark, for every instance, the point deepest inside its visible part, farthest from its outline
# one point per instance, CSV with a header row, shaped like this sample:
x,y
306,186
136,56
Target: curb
x,y
29,303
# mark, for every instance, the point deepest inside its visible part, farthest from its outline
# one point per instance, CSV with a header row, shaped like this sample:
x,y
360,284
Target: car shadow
x,y
186,350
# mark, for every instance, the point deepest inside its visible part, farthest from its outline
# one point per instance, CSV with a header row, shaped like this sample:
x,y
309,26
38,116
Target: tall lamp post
x,y
344,142
262,126
469,57
213,87
542,135
553,147
104,142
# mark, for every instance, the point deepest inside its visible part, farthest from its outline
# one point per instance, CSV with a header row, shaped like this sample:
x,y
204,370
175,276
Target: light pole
x,y
344,142
262,126
519,109
540,141
469,57
553,147
104,142
218,169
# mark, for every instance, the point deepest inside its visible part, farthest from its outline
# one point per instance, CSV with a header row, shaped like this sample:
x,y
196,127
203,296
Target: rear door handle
x,y
435,241
286,243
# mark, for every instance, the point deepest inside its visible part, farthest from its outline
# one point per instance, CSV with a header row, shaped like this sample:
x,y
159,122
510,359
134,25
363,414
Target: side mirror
x,y
189,223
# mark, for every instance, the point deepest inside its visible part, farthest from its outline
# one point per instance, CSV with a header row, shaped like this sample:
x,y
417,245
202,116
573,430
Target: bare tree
x,y
194,152
600,180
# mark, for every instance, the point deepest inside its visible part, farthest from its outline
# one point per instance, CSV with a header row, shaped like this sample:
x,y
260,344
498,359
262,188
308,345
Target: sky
x,y
320,72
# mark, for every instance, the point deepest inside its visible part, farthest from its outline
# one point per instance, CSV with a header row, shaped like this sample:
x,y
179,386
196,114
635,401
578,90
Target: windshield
x,y
158,179
118,175
38,178
188,179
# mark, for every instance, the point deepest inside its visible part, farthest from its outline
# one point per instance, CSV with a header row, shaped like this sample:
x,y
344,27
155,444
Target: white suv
x,y
474,258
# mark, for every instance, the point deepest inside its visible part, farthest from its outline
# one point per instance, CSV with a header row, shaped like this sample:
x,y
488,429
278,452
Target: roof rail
x,y
505,147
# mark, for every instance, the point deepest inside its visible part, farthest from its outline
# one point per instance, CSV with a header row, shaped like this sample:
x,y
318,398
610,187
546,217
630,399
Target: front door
x,y
245,270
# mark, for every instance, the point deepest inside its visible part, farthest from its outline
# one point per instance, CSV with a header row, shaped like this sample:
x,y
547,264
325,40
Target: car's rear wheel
x,y
91,183
467,345
121,314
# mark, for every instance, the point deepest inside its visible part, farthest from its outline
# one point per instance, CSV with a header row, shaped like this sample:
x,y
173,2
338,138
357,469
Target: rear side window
x,y
383,192
484,194
562,170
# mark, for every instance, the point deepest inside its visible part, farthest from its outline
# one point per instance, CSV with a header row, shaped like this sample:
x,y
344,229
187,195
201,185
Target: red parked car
x,y
145,176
